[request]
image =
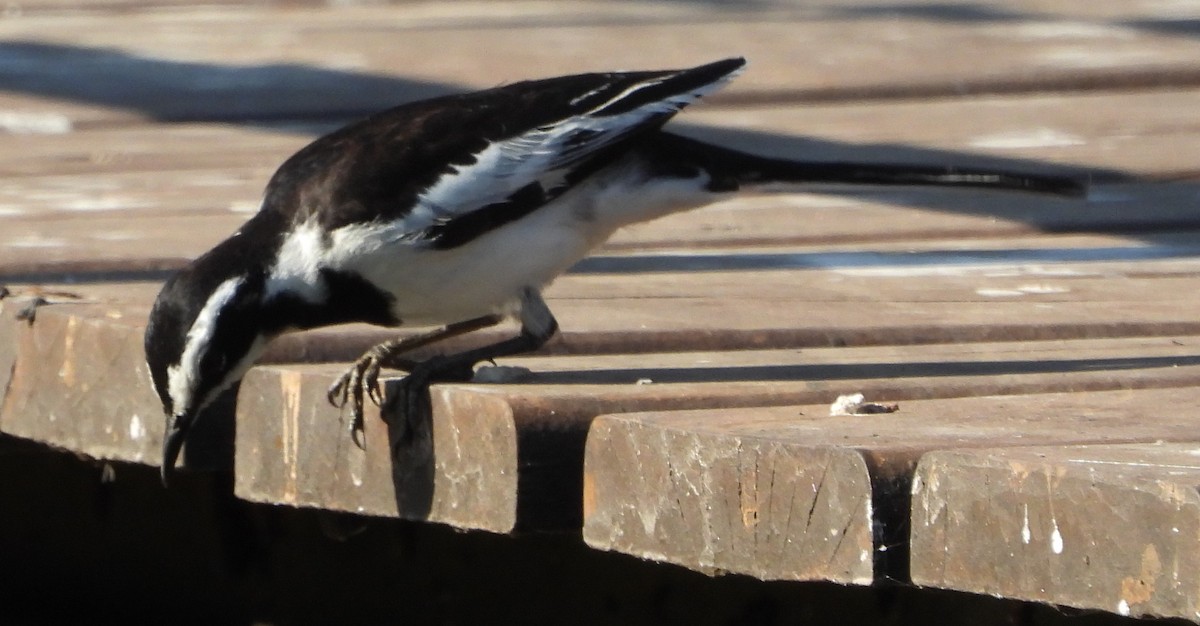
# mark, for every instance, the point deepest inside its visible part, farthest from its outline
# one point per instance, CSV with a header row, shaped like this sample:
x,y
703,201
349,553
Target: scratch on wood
x,y
818,489
290,385
748,493
589,494
67,371
846,529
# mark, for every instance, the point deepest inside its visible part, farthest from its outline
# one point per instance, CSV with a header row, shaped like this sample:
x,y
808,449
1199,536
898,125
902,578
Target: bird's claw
x,y
371,383
362,380
348,391
356,435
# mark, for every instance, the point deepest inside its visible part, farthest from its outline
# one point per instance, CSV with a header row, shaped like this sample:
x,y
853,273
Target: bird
x,y
455,213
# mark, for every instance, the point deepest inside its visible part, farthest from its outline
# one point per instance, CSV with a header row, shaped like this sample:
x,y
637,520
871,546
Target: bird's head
x,y
204,332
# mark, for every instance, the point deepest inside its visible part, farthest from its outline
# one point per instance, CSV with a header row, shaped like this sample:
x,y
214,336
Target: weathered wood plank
x,y
772,492
204,148
830,296
164,195
262,62
56,377
767,507
1032,130
1143,132
80,382
1110,527
187,214
293,448
661,303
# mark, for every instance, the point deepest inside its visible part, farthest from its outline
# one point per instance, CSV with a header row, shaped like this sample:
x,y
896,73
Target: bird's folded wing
x,y
513,175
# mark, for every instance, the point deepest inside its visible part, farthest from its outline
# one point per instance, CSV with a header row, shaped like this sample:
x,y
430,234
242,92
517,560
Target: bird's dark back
x,y
375,169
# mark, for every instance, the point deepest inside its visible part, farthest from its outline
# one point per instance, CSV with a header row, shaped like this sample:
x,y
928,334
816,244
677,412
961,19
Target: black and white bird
x,y
458,211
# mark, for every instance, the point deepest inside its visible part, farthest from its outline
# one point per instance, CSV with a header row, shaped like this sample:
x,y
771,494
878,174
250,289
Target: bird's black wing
x,y
445,168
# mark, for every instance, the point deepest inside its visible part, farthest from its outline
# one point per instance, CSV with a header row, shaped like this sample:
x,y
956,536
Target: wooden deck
x,y
1044,353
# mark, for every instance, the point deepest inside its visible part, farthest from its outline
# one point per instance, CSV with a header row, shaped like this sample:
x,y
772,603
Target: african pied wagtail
x,y
458,211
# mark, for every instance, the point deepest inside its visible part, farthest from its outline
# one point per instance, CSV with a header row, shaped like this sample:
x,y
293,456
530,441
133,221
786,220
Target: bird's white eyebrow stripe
x,y
182,374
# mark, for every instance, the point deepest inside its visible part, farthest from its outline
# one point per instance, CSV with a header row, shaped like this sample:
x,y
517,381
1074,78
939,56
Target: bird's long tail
x,y
731,169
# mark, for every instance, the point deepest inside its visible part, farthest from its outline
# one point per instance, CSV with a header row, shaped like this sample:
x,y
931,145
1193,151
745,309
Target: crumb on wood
x,y
856,404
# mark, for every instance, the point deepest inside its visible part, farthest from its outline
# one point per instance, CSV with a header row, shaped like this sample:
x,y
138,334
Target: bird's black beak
x,y
177,429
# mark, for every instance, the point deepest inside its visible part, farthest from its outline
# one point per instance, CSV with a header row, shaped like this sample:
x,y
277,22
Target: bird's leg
x,y
363,376
537,327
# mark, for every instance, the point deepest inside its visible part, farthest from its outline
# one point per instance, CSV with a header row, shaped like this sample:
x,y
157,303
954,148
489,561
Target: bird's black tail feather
x,y
731,169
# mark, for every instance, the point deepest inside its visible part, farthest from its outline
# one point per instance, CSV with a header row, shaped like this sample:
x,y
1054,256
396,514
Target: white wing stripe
x,y
634,88
538,155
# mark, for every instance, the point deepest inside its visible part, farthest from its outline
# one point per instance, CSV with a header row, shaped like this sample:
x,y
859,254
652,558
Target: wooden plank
x,y
80,383
857,300
509,456
1109,527
874,217
793,493
630,324
661,303
27,8
169,230
1016,131
713,504
101,405
265,63
1028,131
201,147
104,247
181,216
161,194
610,313
1144,132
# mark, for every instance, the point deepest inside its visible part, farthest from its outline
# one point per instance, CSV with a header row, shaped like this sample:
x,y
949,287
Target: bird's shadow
x,y
800,372
190,91
410,444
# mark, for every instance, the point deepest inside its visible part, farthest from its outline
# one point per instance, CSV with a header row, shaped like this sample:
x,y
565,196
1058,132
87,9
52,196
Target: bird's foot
x,y
361,381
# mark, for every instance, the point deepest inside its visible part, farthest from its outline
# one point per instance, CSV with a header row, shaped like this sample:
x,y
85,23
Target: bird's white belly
x,y
483,276
488,274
